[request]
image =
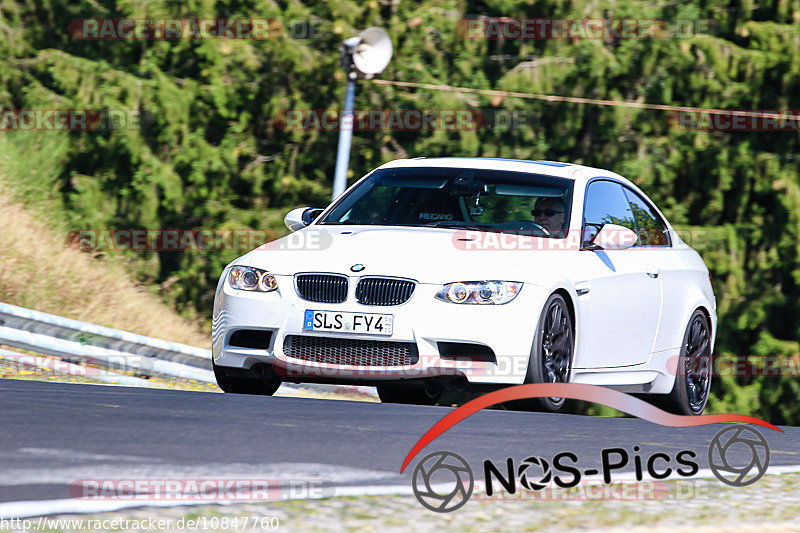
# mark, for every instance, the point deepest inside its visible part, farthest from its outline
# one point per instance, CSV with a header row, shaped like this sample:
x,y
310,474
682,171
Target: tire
x,y
409,395
552,353
239,385
692,385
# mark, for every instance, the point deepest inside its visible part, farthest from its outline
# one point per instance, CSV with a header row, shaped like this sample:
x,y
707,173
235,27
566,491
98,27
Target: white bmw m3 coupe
x,y
429,275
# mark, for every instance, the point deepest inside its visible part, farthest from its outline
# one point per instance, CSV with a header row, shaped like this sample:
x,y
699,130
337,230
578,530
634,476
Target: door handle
x,y
653,270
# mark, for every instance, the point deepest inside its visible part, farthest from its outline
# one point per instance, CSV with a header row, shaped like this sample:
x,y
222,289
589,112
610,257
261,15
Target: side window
x,y
605,204
651,228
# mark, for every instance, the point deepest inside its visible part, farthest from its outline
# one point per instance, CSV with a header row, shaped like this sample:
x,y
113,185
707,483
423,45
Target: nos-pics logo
x,y
443,481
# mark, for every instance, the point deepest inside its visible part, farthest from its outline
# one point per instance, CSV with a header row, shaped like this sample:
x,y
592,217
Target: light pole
x,y
362,57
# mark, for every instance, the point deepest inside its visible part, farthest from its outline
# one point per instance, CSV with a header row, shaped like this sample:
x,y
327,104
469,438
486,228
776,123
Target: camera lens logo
x,y
737,452
544,478
439,482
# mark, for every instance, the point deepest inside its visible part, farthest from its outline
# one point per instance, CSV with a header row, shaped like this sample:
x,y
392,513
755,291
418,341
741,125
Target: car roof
x,y
579,173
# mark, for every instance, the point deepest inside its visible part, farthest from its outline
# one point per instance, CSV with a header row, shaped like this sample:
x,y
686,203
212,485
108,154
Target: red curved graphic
x,y
576,391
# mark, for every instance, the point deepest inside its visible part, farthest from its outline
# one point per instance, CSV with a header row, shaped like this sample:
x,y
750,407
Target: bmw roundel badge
x,y
358,267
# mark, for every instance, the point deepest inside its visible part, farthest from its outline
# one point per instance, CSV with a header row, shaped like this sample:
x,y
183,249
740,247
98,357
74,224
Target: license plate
x,y
367,323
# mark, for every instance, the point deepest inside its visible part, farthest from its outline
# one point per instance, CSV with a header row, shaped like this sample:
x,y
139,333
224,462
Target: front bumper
x,y
507,330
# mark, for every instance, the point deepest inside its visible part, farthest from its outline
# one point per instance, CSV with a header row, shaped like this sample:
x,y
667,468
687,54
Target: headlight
x,y
479,292
251,279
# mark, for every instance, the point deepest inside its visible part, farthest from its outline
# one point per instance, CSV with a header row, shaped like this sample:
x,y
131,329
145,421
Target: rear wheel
x,y
243,385
689,394
551,354
405,394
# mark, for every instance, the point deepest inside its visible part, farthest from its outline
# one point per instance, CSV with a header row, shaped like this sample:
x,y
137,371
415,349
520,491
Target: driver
x,y
550,212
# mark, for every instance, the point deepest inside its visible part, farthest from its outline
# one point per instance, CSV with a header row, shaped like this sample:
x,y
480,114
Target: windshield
x,y
487,200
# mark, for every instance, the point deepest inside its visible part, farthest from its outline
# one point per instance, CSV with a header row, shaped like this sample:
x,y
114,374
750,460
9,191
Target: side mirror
x,y
301,217
613,237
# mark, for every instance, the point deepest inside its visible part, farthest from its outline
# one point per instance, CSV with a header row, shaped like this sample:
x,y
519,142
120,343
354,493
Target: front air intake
x,y
351,352
325,288
384,291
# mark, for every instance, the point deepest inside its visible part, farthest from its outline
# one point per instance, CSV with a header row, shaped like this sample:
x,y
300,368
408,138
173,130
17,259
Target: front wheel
x,y
551,353
689,394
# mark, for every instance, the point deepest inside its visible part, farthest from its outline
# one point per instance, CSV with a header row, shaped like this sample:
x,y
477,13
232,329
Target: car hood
x,y
428,255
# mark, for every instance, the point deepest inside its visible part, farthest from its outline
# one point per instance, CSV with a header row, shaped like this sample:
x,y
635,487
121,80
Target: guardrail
x,y
74,340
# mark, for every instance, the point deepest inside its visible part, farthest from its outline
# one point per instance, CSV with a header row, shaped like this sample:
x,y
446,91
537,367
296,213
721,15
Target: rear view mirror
x,y
467,186
613,237
301,217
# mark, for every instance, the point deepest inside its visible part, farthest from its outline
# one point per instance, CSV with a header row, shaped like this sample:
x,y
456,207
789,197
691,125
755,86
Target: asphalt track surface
x,y
53,434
